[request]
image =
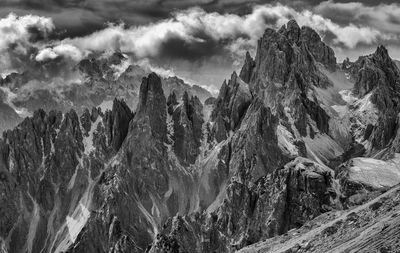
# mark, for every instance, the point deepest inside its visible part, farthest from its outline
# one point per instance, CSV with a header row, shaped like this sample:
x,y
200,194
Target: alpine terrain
x,y
297,153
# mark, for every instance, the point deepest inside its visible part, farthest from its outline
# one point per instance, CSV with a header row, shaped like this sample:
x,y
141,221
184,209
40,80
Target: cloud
x,y
194,33
196,37
20,36
19,31
383,17
64,50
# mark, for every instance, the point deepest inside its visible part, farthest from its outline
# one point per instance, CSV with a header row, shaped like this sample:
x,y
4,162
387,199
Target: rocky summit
x,y
296,154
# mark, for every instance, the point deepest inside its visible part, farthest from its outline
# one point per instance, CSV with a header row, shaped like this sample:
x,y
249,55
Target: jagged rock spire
x,y
293,31
121,115
152,105
188,121
233,100
247,69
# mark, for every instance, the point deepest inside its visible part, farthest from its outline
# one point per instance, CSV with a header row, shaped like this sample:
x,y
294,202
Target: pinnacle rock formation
x,y
294,155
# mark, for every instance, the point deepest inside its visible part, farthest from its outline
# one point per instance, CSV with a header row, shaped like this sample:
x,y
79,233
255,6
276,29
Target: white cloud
x,y
14,29
65,50
242,32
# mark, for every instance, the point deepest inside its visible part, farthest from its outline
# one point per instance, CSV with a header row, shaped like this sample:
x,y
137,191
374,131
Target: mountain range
x,y
298,153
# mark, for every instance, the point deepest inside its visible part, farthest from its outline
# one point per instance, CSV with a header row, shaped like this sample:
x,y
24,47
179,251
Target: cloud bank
x,y
195,33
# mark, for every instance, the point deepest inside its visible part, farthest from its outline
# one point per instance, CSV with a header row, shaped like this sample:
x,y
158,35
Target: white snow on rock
x,y
88,141
375,173
76,222
286,141
322,148
35,218
106,105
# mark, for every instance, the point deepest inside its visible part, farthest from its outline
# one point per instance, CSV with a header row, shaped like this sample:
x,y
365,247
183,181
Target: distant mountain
x,y
93,82
294,155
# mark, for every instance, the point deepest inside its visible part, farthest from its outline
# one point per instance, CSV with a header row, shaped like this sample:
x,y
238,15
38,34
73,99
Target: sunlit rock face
x,y
161,167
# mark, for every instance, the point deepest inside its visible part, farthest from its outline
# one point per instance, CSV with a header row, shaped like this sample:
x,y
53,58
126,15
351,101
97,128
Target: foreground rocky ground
x,y
371,227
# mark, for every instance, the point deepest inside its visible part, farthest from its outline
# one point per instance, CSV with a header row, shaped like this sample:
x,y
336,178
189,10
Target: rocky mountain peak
x,y
150,89
152,104
320,51
247,69
376,70
233,100
382,52
293,31
119,120
282,55
187,121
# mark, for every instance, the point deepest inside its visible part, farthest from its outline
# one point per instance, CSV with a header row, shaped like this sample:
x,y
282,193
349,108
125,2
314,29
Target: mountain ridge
x,y
291,140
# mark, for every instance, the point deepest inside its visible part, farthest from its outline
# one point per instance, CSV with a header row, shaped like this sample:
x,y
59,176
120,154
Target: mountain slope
x,y
280,152
371,227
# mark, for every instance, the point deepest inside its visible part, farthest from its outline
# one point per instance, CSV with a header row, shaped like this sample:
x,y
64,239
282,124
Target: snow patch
x,y
88,141
375,173
73,178
77,221
33,225
106,105
286,141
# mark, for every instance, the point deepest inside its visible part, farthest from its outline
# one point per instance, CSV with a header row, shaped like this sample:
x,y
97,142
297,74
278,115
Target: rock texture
x,y
230,107
371,227
95,81
272,164
247,69
187,118
50,164
378,78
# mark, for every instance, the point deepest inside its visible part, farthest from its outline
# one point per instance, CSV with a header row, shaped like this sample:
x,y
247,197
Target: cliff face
x,y
50,164
174,177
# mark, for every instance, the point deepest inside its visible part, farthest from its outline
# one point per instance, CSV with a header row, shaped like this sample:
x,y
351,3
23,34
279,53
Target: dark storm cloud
x,y
81,17
219,31
383,17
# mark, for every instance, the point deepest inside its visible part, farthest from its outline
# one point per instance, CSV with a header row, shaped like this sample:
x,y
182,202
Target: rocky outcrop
x,y
320,51
177,176
286,199
152,105
144,176
179,87
247,69
349,230
379,78
377,72
187,127
283,54
230,106
362,175
117,122
261,193
49,165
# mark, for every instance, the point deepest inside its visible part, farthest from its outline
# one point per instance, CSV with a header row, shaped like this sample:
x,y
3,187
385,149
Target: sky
x,y
202,41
